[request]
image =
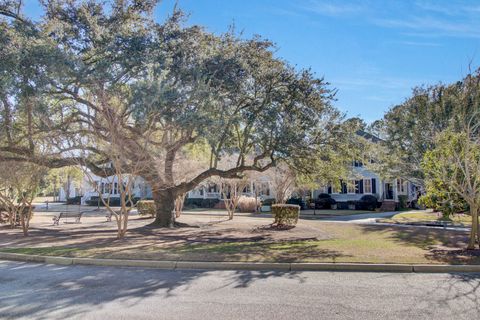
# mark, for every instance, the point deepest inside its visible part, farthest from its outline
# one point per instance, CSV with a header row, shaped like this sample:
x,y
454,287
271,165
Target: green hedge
x,y
113,202
200,203
402,202
285,214
146,208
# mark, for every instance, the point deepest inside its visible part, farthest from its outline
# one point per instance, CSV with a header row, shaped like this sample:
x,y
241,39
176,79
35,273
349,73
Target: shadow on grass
x,y
443,246
56,292
145,242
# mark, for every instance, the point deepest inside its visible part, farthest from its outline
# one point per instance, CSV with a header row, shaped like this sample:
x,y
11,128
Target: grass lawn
x,y
461,220
244,239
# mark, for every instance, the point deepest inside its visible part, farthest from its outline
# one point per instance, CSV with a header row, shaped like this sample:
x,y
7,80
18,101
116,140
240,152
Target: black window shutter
x,y
361,186
344,186
329,189
374,185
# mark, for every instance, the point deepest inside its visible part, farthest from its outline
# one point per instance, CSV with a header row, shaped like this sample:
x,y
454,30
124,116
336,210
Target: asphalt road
x,y
36,291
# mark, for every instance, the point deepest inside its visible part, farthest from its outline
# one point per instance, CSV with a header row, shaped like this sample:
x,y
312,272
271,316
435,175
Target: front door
x,y
388,191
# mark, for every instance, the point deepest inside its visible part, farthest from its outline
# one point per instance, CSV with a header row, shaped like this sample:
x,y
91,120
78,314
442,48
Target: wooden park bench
x,y
65,215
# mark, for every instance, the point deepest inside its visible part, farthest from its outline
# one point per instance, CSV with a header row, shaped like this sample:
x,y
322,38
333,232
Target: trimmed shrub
x,y
297,201
268,202
285,214
367,202
352,204
93,201
324,196
200,203
342,206
247,204
74,200
324,201
113,202
146,208
402,201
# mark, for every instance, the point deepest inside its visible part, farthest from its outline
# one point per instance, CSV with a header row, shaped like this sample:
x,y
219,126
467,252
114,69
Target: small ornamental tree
x,y
19,185
231,191
283,181
455,165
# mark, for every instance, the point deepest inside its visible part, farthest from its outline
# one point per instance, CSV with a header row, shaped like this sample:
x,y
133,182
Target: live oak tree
x,y
409,130
164,86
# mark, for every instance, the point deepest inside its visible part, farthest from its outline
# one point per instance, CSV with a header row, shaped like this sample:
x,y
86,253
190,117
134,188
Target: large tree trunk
x,y
474,228
165,206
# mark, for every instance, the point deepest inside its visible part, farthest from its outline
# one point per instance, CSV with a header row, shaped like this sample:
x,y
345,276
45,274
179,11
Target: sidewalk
x,y
258,266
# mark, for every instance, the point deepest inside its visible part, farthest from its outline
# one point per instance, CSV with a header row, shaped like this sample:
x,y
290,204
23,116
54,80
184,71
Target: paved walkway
x,y
355,218
36,291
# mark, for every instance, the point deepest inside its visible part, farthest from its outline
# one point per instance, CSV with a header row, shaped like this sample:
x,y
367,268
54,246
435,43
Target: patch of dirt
x,y
95,232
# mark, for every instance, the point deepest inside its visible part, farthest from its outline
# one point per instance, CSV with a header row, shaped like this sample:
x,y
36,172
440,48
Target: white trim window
x,y
400,185
367,186
351,188
334,189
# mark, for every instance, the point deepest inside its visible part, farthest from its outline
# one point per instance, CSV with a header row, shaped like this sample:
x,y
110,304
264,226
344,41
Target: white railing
x,y
212,195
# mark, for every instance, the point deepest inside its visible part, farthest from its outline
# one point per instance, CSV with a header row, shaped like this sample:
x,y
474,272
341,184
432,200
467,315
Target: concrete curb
x,y
247,266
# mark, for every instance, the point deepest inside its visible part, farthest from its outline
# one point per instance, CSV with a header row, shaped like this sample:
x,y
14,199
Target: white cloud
x,y
334,8
450,9
433,26
417,43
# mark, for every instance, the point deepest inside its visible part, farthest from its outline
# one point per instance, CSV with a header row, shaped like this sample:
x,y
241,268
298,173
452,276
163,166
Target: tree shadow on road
x,y
56,292
460,294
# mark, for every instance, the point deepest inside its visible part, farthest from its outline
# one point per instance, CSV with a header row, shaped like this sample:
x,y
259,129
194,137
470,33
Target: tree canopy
x,y
410,129
90,79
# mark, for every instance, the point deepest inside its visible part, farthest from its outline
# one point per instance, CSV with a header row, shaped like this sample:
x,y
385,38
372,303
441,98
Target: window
x,y
400,185
367,186
351,186
357,163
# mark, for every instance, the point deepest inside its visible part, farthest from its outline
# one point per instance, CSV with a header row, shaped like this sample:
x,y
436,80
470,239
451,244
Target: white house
x,y
262,186
109,188
367,182
363,182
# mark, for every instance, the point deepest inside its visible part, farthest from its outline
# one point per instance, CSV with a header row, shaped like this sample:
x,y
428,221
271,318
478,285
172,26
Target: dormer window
x,y
357,163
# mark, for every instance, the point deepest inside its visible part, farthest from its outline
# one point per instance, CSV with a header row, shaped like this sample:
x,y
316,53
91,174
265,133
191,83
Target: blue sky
x,y
373,52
